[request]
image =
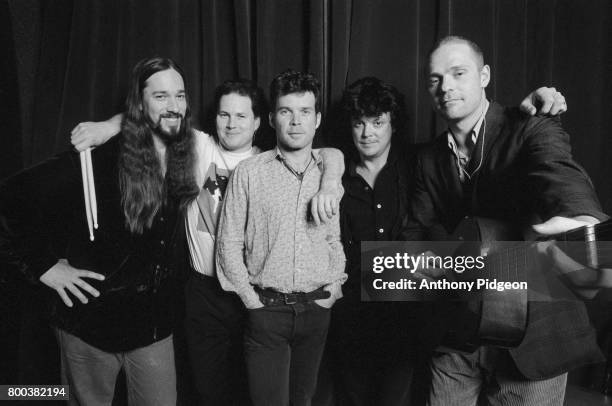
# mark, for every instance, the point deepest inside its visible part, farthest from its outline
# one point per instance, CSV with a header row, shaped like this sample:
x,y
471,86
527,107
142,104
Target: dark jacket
x,y
527,175
42,219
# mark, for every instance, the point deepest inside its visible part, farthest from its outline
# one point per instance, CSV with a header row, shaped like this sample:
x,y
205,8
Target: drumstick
x,y
92,189
83,159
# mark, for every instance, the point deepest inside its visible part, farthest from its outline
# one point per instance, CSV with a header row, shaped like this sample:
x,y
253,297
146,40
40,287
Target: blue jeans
x,y
488,376
92,373
283,347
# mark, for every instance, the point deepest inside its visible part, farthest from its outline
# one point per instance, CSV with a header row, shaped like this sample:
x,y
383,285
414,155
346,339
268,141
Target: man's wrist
x,y
335,290
330,186
250,299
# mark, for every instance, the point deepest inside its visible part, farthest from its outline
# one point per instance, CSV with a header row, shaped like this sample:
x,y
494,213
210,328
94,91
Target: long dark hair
x,y
144,190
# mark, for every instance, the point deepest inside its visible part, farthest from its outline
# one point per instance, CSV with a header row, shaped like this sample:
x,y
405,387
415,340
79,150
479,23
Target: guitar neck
x,y
589,245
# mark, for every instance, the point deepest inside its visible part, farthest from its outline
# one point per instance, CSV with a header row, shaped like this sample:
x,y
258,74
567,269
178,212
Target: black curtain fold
x,y
73,58
245,38
48,80
8,89
316,13
339,47
69,61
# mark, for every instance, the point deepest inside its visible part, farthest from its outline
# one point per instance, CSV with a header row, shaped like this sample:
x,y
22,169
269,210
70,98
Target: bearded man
x,y
114,302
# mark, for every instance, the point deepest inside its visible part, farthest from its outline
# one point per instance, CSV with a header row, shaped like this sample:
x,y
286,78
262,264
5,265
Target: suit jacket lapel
x,y
494,121
446,168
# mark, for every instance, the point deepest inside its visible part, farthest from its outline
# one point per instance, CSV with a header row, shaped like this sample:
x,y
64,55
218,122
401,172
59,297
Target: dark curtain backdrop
x,y
68,61
71,58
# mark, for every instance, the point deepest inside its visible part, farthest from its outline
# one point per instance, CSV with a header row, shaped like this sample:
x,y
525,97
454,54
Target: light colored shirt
x,y
214,167
265,238
461,159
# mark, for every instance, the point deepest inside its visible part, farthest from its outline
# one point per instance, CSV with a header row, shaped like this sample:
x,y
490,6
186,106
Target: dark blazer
x,y
527,175
42,219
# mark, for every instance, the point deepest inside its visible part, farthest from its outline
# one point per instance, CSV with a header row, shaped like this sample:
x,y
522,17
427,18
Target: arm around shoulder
x,y
325,204
92,134
561,186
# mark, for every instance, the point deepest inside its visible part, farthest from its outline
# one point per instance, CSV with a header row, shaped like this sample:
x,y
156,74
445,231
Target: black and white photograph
x,y
306,202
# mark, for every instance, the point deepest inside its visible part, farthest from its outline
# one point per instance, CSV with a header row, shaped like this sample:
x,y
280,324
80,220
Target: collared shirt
x,y
265,238
374,209
294,171
372,214
461,158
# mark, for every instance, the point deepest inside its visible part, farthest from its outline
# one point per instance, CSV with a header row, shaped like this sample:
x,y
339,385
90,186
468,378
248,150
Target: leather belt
x,y
270,297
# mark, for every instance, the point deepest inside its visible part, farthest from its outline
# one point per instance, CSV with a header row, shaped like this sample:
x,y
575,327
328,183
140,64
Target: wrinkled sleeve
x,y
231,268
333,169
561,187
35,207
337,259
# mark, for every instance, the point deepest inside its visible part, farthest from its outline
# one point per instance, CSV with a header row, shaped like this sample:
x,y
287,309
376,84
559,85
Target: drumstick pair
x,y
89,192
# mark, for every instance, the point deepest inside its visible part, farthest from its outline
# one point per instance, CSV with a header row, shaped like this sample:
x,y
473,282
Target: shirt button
x,y
366,188
381,230
162,242
379,206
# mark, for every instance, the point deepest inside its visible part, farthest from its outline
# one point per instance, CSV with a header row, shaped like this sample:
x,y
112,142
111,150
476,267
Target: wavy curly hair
x,y
291,81
144,188
371,97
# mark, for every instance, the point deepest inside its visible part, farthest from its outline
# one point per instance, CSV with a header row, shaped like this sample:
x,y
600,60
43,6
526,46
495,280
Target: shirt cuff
x,y
250,298
335,289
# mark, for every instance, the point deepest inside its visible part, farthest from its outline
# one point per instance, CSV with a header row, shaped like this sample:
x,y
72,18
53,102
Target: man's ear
x,y
271,121
257,123
485,76
318,119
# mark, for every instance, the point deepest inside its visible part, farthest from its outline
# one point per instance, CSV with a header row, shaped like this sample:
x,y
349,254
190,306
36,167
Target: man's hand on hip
x,y
62,276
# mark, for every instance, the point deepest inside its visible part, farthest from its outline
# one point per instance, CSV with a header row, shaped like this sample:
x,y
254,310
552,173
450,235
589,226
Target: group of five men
x,y
268,238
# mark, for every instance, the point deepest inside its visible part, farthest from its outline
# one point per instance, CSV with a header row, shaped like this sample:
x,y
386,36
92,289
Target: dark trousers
x,y
371,352
283,348
214,322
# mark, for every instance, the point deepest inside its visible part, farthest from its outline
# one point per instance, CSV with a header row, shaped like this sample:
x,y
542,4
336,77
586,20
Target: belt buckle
x,y
289,301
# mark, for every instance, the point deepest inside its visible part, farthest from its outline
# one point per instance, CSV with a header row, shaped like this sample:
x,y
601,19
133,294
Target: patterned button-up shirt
x,y
265,238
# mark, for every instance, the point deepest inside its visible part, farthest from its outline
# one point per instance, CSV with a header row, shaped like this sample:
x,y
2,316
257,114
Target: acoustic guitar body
x,y
489,316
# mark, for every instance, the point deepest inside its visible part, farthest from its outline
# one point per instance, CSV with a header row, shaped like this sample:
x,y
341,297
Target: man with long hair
x,y
114,306
213,317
